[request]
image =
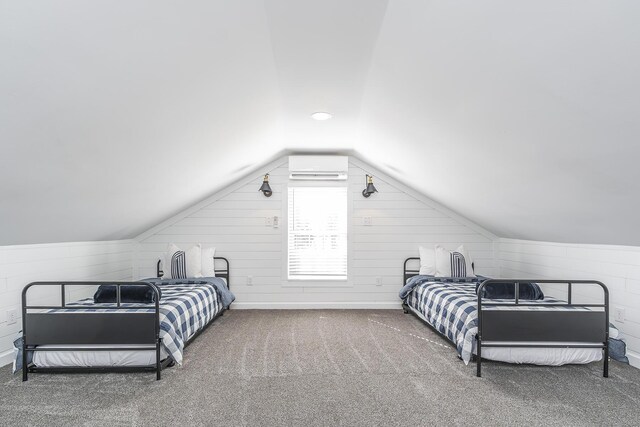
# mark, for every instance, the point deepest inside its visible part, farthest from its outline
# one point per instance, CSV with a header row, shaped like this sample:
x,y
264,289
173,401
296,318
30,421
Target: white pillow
x,y
179,264
459,259
208,266
427,261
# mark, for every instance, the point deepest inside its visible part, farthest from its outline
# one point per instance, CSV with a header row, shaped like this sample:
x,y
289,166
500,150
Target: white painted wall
x,y
20,265
234,222
618,267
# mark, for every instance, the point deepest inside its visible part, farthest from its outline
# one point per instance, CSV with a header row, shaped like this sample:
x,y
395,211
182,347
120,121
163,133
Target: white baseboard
x,y
634,359
315,305
6,358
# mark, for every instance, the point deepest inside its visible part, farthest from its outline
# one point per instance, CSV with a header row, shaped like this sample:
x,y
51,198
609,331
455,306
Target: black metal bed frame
x,y
536,329
119,327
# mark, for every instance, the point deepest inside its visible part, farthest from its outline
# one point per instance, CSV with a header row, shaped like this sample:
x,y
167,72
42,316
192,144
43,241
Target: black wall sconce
x,y
370,187
265,187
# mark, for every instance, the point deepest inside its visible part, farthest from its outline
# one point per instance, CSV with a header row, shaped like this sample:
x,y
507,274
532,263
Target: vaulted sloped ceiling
x,y
520,116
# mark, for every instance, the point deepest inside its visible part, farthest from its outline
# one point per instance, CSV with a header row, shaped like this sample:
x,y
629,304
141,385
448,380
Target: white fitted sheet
x,y
538,355
94,359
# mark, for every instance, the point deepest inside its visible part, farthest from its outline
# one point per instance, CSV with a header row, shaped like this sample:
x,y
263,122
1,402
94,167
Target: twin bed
x,y
120,335
539,330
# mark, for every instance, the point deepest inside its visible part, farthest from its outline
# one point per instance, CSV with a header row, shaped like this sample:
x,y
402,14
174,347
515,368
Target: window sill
x,y
315,283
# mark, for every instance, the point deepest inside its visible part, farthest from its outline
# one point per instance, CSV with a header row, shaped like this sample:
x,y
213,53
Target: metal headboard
x,y
222,273
409,273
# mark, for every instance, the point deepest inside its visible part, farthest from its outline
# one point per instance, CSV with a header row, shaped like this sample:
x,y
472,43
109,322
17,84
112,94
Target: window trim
x,y
310,282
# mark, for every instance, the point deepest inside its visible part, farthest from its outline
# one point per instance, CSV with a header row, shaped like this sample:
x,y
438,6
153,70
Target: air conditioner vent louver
x,y
318,168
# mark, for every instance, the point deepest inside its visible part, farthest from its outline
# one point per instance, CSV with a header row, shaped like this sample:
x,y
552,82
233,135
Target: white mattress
x,y
92,358
538,355
542,356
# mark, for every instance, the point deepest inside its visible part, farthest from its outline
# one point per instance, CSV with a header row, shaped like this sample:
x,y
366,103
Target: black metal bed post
x,y
223,273
406,274
479,334
605,368
478,356
25,371
158,340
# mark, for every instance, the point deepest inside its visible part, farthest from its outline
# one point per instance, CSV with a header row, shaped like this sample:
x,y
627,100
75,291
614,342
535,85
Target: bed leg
x,y
605,368
25,369
158,364
405,310
479,358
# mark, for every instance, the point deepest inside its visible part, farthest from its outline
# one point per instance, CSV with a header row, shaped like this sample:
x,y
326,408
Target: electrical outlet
x,y
249,280
619,314
378,281
12,316
366,220
268,221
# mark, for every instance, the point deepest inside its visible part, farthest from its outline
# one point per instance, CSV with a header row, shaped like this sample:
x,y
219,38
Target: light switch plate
x,y
367,220
619,314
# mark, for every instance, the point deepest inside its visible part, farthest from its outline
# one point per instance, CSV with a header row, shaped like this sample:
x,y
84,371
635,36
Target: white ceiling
x,y
520,116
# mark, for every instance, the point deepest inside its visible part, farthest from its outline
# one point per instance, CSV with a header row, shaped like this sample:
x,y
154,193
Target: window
x,y
317,233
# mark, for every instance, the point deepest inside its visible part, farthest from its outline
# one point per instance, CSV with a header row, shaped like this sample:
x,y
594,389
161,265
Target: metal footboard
x,y
42,326
580,326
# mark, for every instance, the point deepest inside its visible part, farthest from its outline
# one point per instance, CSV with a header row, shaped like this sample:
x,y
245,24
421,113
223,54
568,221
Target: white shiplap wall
x,y
618,267
20,265
234,222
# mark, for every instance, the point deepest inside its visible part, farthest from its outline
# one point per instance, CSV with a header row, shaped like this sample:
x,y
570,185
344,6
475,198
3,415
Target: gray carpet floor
x,y
325,367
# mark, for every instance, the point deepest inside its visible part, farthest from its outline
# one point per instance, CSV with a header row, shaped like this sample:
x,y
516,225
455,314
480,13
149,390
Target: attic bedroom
x,y
285,212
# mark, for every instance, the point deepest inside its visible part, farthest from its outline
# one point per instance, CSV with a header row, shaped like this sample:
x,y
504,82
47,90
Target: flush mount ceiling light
x,y
321,115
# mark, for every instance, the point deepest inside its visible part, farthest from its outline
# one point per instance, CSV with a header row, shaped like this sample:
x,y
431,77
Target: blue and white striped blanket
x,y
452,309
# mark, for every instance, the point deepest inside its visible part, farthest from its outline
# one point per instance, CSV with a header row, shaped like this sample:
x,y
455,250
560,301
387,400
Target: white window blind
x,y
318,233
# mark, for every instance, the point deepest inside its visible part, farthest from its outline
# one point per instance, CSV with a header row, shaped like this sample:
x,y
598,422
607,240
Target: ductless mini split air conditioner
x,y
318,168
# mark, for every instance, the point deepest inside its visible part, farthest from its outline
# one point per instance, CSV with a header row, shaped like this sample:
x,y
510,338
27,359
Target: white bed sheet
x,y
537,356
92,358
